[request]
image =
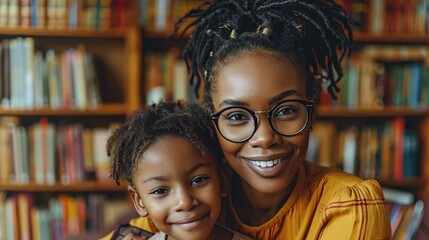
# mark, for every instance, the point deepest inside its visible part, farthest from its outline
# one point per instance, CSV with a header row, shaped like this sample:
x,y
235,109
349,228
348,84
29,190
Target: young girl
x,y
169,156
261,62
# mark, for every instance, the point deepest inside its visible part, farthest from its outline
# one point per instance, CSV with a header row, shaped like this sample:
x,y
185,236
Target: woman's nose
x,y
185,200
265,136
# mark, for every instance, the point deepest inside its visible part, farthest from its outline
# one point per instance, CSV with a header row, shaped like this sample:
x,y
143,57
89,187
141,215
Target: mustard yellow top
x,y
325,204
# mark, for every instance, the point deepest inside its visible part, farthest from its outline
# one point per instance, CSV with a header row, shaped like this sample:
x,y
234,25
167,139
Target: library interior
x,y
71,71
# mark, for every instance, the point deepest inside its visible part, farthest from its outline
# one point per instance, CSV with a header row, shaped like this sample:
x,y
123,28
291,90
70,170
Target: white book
x,y
38,154
101,160
14,72
23,149
10,210
398,196
28,68
162,8
53,79
50,143
350,150
78,81
39,80
3,216
180,84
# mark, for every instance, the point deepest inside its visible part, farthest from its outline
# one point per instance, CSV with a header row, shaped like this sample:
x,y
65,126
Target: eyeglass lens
x,y
238,124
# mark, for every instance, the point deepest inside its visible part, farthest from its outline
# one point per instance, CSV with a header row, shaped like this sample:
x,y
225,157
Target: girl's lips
x,y
191,222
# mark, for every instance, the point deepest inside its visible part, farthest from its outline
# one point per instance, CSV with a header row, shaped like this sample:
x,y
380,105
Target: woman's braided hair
x,y
128,142
314,34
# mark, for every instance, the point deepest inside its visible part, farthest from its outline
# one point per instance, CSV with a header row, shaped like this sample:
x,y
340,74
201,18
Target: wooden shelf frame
x,y
86,186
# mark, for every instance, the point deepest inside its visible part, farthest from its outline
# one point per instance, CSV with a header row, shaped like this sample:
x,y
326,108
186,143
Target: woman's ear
x,y
138,202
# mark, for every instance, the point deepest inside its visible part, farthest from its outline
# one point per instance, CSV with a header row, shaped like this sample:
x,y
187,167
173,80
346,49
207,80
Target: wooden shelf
x,y
336,111
88,186
405,38
102,110
75,33
414,182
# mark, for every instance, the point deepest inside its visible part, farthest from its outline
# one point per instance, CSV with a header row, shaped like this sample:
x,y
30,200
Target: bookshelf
x,y
126,76
42,176
377,126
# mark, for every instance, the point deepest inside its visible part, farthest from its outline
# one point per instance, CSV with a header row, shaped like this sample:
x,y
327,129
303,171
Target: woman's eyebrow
x,y
232,102
273,100
283,95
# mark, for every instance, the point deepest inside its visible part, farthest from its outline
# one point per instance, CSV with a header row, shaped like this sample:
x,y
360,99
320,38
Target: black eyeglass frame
x,y
307,104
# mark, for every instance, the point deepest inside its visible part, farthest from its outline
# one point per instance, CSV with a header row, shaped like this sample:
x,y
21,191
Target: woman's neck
x,y
255,208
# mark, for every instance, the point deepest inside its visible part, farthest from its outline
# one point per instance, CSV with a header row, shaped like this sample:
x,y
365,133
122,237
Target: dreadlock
x,y
128,142
314,34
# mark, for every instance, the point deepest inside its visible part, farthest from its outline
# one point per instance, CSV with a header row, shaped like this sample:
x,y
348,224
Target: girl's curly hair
x,y
128,142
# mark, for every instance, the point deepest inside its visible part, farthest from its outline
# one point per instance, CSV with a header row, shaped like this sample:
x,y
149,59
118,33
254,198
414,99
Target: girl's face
x,y
259,80
178,188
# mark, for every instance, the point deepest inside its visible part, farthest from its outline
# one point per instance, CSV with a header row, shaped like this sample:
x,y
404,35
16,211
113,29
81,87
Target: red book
x,y
398,156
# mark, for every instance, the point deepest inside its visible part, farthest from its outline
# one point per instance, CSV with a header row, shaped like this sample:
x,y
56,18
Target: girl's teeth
x,y
265,164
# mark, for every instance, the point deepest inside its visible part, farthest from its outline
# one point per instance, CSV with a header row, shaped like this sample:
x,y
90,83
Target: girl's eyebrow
x,y
163,178
273,100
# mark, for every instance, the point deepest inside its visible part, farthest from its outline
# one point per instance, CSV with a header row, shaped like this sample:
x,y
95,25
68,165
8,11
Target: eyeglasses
x,y
287,118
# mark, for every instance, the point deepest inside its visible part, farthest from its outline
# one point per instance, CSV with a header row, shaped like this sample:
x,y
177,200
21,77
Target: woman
x,y
262,64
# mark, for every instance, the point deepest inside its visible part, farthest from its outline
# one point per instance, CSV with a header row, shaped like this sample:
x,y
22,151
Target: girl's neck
x,y
218,233
255,208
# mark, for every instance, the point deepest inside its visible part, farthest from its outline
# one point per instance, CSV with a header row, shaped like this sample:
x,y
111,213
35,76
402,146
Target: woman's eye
x,y
286,110
159,191
237,117
199,180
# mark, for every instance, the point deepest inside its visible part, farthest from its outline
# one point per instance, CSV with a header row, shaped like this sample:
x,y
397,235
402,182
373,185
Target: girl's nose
x,y
185,200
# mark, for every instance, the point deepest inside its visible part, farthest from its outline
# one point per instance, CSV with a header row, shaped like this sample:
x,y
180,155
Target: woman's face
x,y
259,80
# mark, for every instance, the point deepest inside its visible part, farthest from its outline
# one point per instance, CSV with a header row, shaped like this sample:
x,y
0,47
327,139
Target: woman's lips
x,y
271,166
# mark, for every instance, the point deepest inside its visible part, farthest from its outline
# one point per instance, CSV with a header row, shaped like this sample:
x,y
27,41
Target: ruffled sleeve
x,y
356,212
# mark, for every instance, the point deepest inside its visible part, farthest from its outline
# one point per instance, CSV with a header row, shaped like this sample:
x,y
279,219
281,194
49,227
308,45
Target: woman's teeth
x,y
265,164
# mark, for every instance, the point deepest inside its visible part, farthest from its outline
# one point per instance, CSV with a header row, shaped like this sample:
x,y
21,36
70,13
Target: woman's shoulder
x,y
341,185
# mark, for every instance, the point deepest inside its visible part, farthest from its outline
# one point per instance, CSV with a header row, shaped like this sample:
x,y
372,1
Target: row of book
x,y
372,79
166,77
160,15
47,153
24,216
63,14
406,213
388,150
391,16
32,79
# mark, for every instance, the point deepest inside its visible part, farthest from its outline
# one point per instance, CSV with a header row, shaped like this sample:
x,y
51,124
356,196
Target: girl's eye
x,y
159,192
199,180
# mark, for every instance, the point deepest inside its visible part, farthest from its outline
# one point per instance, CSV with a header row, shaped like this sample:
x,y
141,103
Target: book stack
x,y
23,217
51,79
387,151
405,213
64,14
